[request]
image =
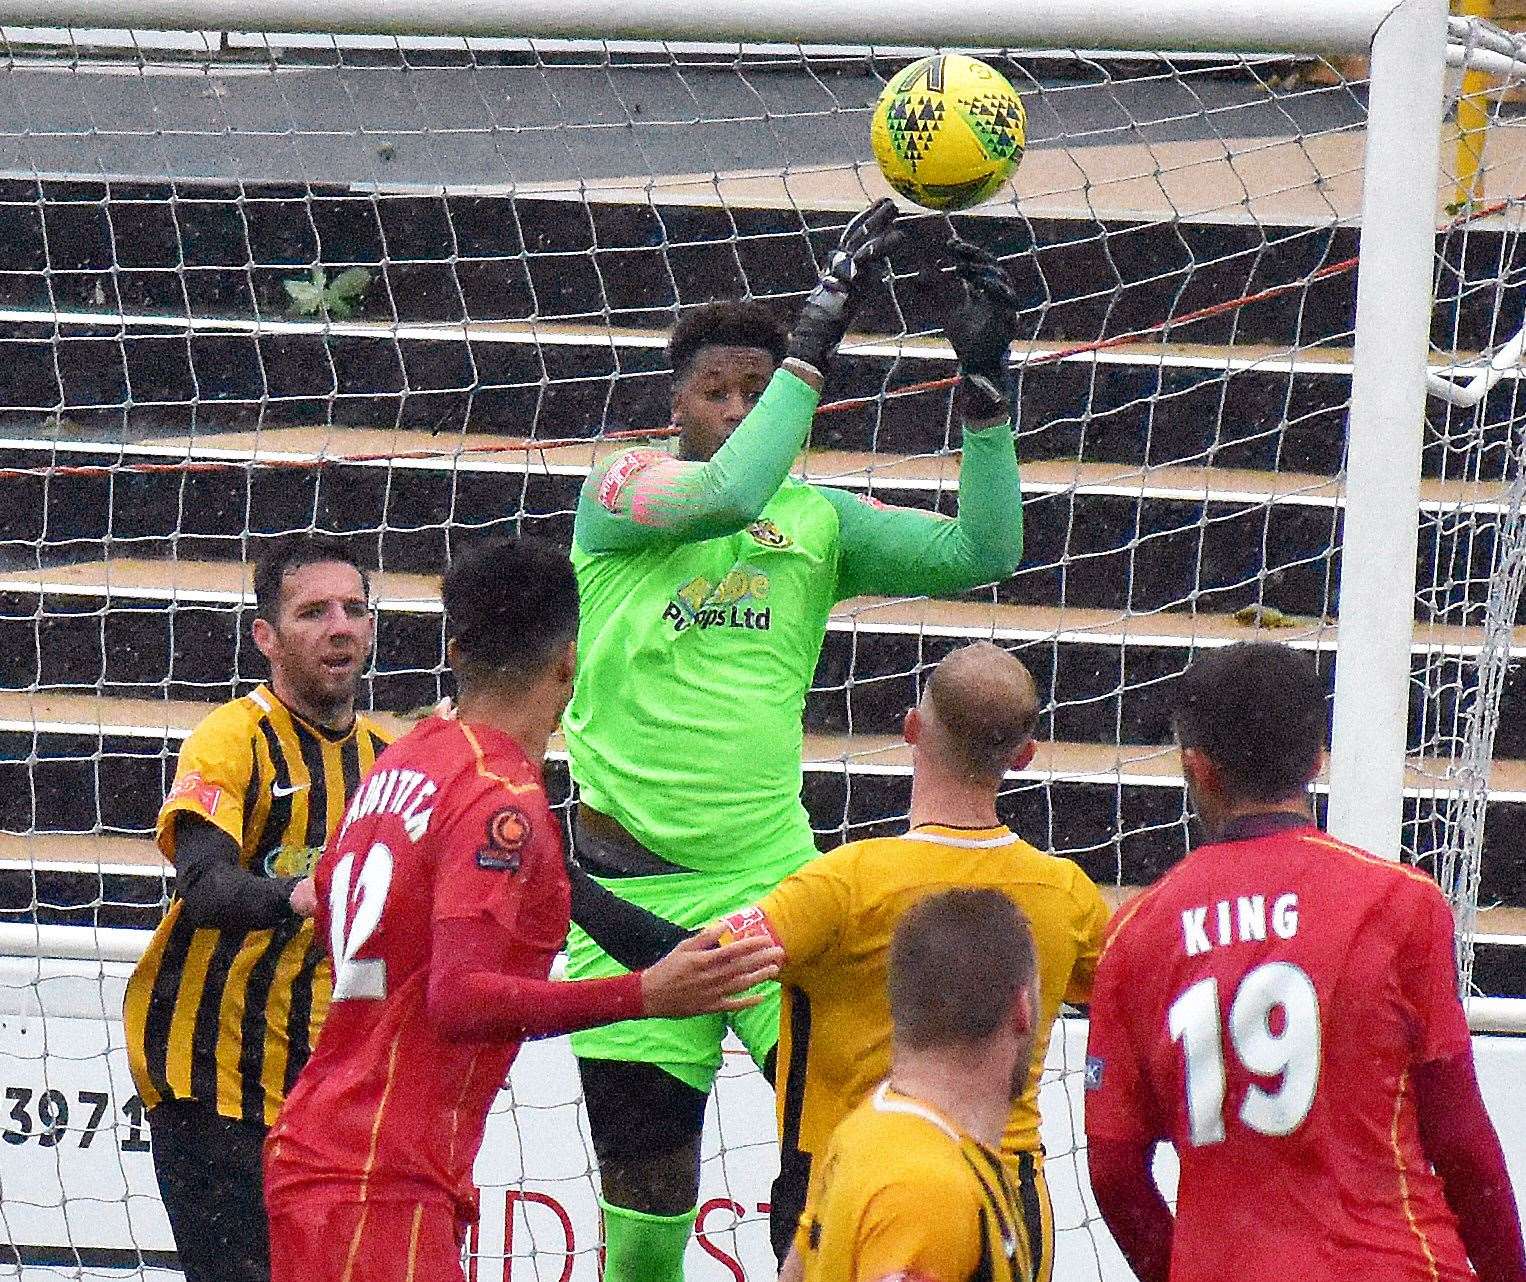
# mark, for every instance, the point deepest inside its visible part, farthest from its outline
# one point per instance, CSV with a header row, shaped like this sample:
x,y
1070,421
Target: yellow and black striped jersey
x,y
228,1017
904,1192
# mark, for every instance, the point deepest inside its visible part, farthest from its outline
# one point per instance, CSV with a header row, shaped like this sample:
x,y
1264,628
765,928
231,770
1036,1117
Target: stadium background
x,y
161,407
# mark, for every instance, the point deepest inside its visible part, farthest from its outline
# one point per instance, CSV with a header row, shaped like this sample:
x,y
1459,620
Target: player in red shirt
x,y
1283,1008
444,898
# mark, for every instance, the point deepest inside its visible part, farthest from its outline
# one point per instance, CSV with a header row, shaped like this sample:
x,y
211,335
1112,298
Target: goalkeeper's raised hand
x,y
859,259
981,330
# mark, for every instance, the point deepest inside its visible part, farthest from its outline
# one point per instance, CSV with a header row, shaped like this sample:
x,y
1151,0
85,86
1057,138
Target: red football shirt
x,y
451,822
1262,1008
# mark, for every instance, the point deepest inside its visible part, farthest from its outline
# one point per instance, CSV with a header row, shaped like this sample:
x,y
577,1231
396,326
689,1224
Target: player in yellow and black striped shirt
x,y
222,1011
913,1185
834,919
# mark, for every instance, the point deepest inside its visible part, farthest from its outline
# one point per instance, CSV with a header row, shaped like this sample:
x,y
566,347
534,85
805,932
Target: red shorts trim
x,y
376,1241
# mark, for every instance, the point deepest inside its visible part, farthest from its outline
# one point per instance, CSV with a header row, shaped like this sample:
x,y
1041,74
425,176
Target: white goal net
x,y
407,291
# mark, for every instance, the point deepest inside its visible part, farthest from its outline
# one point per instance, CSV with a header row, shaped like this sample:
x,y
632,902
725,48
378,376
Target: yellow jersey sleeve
x,y
1091,929
212,777
807,911
930,1228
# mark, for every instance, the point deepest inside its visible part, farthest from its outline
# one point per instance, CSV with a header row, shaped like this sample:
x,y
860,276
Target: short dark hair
x,y
291,552
733,324
1257,711
510,606
958,960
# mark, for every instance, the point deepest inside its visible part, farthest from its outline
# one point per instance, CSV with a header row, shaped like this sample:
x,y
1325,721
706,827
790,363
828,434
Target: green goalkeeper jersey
x,y
705,592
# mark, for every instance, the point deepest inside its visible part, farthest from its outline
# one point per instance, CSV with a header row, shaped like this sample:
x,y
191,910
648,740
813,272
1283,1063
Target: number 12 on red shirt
x,y
1291,1054
359,977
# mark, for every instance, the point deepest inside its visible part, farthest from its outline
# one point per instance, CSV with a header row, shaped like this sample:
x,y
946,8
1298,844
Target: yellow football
x,y
948,130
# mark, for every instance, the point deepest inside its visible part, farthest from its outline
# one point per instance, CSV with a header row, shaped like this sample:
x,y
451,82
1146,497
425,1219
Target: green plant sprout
x,y
317,294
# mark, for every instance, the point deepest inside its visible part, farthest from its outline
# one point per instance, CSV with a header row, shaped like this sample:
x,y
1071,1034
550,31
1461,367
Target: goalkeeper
x,y
706,580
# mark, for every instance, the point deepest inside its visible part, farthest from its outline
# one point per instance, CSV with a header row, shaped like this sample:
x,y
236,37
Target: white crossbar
x,y
1288,26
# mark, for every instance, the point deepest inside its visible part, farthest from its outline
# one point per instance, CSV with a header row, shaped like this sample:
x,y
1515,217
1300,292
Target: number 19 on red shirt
x,y
1290,1054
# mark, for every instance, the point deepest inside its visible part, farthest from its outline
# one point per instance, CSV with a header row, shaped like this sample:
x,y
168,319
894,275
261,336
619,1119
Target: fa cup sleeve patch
x,y
616,479
203,795
746,923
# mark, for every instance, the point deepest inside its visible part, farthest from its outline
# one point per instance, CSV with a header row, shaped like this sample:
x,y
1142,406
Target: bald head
x,y
980,708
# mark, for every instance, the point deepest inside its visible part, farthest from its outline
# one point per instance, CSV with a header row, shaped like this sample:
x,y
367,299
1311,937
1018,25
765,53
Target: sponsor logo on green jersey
x,y
737,601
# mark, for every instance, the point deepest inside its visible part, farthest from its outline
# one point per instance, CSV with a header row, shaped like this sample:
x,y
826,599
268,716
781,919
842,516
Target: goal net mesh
x,y
407,292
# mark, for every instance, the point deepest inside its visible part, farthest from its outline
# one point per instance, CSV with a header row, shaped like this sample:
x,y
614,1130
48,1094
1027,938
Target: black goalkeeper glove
x,y
829,308
981,330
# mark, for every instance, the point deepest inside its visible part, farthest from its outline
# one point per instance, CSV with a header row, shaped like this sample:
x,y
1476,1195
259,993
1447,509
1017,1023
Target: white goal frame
x,y
1268,26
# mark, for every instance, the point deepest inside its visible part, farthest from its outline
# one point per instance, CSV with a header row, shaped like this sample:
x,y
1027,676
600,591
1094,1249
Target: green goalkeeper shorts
x,y
689,1049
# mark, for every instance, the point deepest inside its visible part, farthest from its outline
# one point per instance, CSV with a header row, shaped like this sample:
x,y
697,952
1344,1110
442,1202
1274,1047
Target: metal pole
x,y
1292,26
1382,515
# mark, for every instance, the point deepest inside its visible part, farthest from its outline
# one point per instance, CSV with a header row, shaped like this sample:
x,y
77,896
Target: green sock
x,y
644,1248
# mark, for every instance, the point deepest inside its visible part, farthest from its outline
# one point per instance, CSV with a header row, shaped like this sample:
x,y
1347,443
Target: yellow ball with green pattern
x,y
948,131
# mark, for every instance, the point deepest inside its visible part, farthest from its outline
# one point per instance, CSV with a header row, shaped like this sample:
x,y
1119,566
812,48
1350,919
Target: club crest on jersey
x,y
1093,1073
292,861
734,602
508,833
769,535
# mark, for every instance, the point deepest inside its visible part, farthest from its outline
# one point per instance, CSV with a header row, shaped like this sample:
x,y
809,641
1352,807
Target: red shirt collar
x,y
1248,827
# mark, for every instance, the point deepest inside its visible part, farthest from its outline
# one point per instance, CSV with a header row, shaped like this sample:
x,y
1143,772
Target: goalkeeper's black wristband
x,y
819,328
983,398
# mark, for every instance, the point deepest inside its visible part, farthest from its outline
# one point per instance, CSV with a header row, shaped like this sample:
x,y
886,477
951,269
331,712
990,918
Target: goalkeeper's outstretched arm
x,y
900,552
905,552
646,496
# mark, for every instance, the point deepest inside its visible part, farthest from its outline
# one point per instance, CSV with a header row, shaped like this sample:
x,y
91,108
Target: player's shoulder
x,y
368,723
1058,872
1352,864
1404,897
1137,916
873,864
865,853
472,769
855,502
852,500
433,746
805,504
1066,896
892,1138
236,720
494,762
